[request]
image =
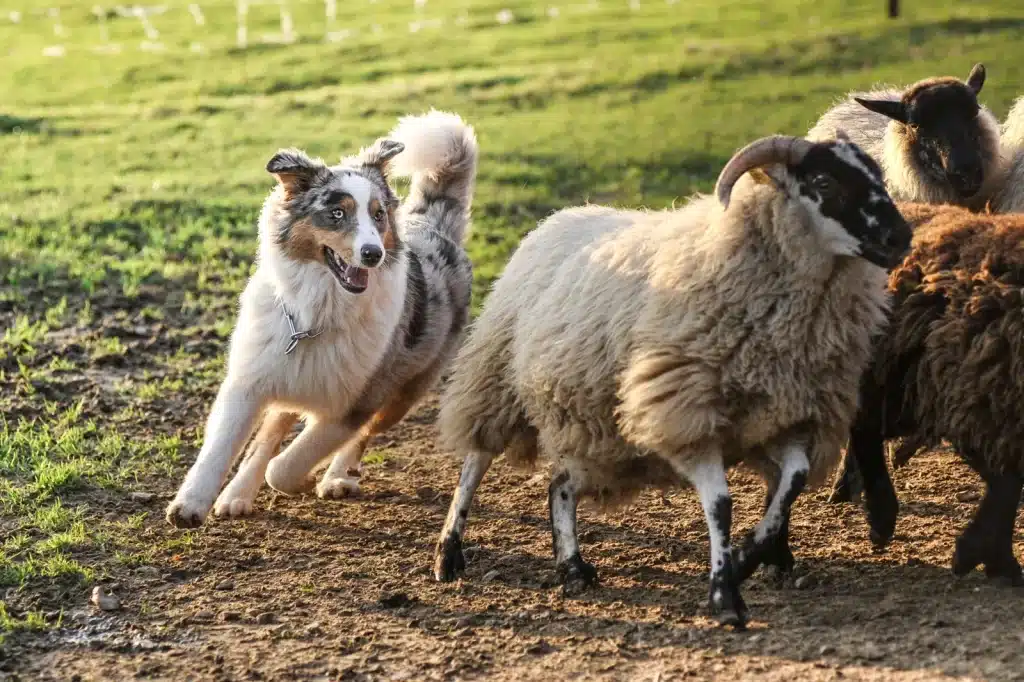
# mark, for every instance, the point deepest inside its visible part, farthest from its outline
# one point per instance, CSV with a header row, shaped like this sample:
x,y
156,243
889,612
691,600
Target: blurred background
x,y
123,126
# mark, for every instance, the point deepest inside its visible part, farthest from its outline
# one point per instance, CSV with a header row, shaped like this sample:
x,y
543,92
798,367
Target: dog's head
x,y
340,216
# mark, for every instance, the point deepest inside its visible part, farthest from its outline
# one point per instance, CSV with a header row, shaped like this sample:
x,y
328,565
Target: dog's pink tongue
x,y
358,276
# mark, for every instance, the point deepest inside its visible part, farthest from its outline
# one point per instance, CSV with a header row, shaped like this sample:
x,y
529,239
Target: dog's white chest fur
x,y
324,375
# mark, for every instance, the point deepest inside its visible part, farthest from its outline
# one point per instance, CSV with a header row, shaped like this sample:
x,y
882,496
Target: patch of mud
x,y
315,590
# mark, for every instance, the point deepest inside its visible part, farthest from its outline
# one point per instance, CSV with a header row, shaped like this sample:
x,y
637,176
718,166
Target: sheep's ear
x,y
380,153
294,170
774,174
977,78
893,109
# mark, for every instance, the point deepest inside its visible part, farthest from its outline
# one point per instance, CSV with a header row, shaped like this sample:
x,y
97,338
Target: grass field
x,y
131,182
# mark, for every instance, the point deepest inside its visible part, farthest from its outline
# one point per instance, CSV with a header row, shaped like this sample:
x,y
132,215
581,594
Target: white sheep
x,y
1010,198
934,141
637,348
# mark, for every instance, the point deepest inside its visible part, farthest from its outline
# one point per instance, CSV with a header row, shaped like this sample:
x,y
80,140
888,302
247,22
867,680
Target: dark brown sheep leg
x,y
848,485
988,539
868,449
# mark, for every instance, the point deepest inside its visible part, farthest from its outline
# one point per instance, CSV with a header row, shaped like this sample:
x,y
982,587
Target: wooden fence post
x,y
894,9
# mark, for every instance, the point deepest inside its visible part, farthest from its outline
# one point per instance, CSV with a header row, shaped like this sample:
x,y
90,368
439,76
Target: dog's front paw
x,y
234,508
337,488
186,513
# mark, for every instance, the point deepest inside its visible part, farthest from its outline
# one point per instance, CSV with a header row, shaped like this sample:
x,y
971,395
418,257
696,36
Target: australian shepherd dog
x,y
357,304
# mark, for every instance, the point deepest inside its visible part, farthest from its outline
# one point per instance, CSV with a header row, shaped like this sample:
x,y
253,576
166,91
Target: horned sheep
x,y
660,348
951,367
934,141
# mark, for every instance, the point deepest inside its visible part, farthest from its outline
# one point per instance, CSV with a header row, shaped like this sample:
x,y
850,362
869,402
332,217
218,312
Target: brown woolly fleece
x,y
951,365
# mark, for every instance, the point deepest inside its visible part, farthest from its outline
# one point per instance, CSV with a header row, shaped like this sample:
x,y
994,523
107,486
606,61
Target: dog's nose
x,y
371,254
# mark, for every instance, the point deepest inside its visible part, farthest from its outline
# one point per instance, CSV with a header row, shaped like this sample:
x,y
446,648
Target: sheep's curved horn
x,y
775,149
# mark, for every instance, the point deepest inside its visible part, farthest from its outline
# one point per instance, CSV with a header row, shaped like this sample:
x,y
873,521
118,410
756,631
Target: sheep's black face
x,y
842,188
944,131
941,129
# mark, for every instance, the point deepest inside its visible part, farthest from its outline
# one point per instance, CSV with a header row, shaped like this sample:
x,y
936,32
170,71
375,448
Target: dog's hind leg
x,y
237,498
289,472
229,426
342,476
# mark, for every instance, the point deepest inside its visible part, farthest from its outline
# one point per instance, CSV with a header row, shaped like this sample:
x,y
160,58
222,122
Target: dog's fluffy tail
x,y
440,156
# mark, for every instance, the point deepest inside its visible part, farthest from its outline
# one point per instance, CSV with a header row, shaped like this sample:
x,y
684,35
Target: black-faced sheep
x,y
638,348
1008,198
933,140
951,367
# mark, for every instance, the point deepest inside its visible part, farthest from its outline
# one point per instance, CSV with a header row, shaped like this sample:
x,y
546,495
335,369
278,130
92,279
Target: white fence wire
x,y
99,41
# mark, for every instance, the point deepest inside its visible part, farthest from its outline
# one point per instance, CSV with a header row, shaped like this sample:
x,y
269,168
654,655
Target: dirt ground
x,y
316,590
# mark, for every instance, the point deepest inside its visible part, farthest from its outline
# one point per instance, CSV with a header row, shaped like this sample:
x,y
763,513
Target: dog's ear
x,y
294,170
380,153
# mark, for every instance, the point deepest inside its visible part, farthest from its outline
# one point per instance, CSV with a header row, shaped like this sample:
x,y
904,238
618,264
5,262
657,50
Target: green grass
x,y
131,183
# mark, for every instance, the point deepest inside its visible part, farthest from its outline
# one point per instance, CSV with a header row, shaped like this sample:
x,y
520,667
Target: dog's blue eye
x,y
337,214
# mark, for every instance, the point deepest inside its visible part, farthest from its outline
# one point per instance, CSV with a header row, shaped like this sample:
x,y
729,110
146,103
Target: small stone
x,y
205,615
540,648
872,652
229,616
826,650
266,618
490,576
103,600
804,582
151,572
464,622
314,629
396,600
140,496
225,585
968,496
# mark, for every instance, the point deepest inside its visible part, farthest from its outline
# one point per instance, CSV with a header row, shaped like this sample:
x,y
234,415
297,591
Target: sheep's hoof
x,y
882,512
727,606
772,552
576,575
1000,564
779,561
448,559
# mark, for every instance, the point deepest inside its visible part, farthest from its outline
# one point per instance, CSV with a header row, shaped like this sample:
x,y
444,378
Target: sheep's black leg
x,y
770,537
988,539
708,477
448,558
574,573
848,485
868,448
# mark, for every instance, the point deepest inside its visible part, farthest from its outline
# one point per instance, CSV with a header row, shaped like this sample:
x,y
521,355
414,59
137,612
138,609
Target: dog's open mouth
x,y
352,279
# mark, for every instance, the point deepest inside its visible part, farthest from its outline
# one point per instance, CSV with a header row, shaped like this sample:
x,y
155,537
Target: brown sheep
x,y
951,367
